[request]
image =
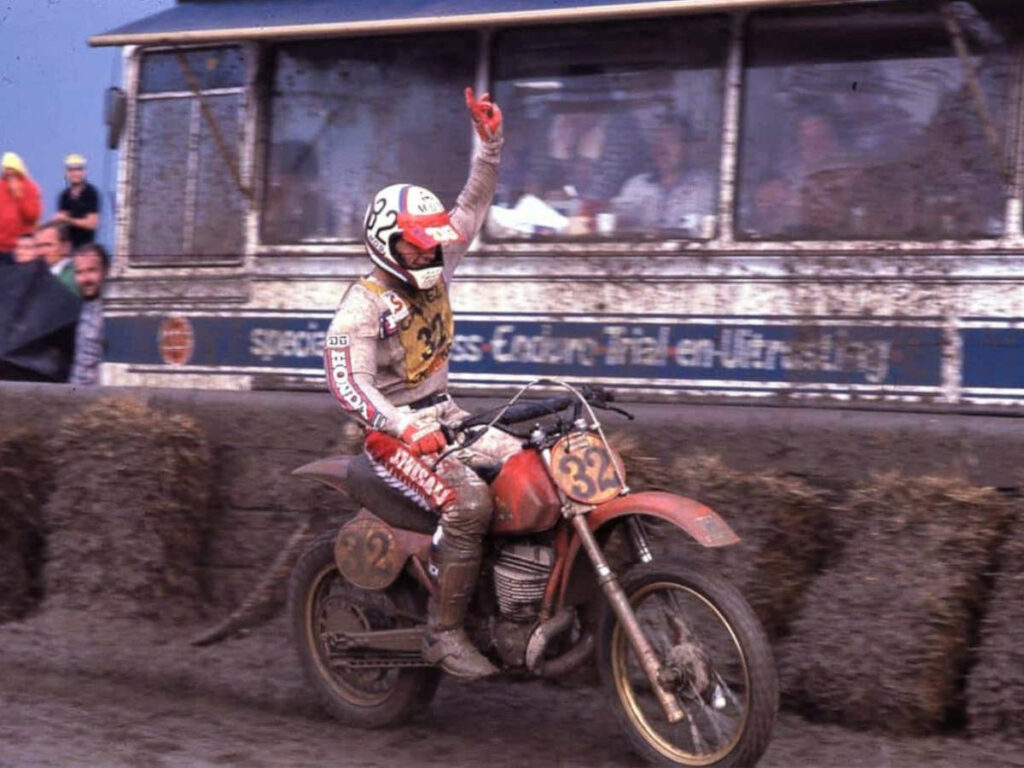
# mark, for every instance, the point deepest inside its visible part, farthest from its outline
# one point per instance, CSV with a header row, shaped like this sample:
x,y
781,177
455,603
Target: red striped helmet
x,y
414,214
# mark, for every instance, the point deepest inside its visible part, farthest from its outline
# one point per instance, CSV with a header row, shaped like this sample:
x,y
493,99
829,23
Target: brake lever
x,y
620,411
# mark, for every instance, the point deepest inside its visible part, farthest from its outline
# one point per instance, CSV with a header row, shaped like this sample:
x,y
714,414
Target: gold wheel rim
x,y
352,694
621,652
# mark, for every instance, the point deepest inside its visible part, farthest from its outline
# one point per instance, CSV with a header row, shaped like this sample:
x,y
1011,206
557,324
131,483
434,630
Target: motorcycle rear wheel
x,y
730,690
320,600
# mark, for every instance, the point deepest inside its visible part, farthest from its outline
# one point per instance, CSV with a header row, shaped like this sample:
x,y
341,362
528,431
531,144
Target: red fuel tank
x,y
525,499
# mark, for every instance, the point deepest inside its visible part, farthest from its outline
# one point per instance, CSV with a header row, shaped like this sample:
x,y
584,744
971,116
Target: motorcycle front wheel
x,y
721,666
321,603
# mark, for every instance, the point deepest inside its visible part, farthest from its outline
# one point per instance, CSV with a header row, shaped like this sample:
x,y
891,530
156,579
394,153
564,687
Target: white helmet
x,y
414,214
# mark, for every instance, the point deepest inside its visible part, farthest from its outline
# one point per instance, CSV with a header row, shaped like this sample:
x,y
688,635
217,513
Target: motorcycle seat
x,y
368,489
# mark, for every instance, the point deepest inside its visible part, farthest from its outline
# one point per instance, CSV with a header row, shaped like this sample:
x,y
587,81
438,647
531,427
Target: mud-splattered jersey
x,y
388,343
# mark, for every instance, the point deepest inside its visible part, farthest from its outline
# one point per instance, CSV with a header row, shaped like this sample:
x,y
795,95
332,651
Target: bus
x,y
789,201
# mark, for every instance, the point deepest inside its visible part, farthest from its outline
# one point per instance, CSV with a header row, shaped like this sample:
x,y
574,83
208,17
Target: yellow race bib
x,y
424,324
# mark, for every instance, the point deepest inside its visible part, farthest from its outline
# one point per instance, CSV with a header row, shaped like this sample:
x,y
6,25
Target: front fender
x,y
705,526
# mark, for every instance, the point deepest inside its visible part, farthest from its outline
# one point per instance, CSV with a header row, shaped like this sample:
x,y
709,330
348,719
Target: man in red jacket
x,y
20,204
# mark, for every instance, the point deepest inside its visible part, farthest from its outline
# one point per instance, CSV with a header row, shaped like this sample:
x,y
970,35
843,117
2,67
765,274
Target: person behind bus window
x,y
591,149
674,196
53,245
386,357
79,204
809,193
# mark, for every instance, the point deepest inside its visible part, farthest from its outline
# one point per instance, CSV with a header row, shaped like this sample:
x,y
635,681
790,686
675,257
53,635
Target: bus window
x,y
348,117
185,200
617,129
860,124
212,67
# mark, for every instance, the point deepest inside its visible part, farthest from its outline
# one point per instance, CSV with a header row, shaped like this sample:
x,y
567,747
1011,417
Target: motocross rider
x,y
386,357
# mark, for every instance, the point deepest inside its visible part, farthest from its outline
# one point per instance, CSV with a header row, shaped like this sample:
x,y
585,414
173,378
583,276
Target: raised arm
x,y
473,202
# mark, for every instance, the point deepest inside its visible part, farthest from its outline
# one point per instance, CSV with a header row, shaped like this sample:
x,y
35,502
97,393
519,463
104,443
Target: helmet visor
x,y
428,231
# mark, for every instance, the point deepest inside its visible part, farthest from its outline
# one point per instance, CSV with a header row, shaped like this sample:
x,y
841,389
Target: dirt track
x,y
77,690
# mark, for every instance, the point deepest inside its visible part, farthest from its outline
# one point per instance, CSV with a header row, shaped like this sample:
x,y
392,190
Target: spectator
x,y
19,202
79,204
25,248
810,193
591,151
675,196
53,245
91,265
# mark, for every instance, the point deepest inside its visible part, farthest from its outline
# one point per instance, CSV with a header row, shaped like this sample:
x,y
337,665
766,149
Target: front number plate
x,y
584,468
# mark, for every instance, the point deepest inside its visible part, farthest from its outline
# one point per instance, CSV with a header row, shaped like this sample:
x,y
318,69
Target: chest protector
x,y
423,323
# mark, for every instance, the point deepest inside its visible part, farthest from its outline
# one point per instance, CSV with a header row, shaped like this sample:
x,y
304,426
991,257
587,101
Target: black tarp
x,y
37,323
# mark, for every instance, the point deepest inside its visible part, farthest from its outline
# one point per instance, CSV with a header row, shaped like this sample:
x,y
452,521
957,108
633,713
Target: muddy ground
x,y
79,690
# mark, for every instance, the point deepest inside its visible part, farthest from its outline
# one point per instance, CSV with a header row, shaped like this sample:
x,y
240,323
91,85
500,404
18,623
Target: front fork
x,y
627,618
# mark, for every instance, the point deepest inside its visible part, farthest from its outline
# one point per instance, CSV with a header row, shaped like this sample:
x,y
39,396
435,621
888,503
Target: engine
x,y
520,575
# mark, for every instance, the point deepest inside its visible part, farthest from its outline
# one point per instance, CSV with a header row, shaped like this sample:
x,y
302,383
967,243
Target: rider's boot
x,y
455,573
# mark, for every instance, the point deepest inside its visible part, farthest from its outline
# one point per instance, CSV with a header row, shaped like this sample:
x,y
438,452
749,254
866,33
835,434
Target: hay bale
x,y
646,467
129,512
782,522
883,637
995,688
783,525
24,484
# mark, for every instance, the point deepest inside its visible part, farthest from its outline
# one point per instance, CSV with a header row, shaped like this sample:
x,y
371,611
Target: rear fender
x,y
332,471
705,526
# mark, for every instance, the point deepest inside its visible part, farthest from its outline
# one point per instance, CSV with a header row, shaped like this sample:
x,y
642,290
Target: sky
x,y
52,87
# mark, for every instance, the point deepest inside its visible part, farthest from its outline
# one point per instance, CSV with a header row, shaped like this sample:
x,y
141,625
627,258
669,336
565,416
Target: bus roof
x,y
199,21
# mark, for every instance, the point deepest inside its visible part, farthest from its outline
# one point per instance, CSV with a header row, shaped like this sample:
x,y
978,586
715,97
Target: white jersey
x,y
389,343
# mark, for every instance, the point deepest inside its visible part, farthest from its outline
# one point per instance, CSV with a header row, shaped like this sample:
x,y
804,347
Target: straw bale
x,y
784,531
883,637
24,483
129,512
995,688
782,522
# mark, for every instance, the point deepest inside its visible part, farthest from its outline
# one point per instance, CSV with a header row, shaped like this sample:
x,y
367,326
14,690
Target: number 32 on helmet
x,y
414,214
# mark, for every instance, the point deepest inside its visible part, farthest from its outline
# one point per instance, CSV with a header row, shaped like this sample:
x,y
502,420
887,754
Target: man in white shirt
x,y
674,197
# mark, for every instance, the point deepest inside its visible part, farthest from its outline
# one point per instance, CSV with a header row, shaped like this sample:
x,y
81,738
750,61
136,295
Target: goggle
x,y
429,230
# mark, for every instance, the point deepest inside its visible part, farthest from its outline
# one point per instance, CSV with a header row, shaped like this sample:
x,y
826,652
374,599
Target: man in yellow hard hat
x,y
79,204
19,203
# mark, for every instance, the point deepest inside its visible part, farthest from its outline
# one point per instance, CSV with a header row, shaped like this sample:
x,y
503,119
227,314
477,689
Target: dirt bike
x,y
680,653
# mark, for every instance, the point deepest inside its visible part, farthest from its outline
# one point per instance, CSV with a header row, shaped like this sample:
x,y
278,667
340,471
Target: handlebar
x,y
523,412
520,412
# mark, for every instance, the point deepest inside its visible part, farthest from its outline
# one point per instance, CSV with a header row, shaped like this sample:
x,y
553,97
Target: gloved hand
x,y
424,438
485,114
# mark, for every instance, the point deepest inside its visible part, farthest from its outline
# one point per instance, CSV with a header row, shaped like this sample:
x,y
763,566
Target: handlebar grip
x,y
535,410
523,412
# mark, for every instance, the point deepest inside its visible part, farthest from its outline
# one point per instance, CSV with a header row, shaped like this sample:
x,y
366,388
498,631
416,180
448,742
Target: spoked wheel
x,y
715,657
322,605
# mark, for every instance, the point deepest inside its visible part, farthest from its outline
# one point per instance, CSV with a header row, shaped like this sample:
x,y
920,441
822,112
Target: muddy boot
x,y
455,574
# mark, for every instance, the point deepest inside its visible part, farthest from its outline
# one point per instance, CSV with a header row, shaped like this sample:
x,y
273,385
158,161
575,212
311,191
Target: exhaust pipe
x,y
543,635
